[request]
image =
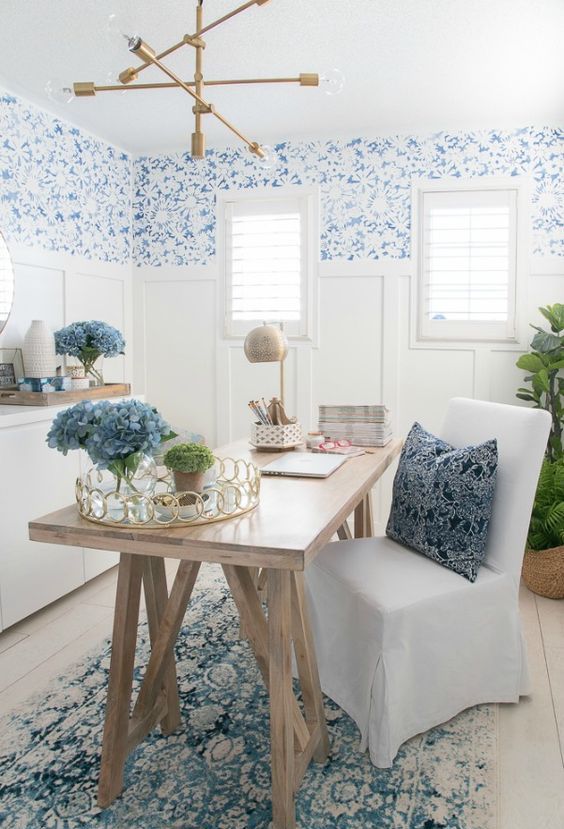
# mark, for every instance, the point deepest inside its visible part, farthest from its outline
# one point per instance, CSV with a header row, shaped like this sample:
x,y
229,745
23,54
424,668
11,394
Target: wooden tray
x,y
13,397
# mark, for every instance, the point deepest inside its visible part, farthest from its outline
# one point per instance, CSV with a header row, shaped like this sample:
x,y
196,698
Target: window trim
x,y
307,328
467,331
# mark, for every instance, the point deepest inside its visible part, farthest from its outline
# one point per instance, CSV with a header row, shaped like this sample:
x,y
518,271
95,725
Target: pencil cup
x,y
276,438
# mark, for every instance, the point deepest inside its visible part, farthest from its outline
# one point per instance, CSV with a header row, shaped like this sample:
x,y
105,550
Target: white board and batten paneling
x,y
62,288
34,479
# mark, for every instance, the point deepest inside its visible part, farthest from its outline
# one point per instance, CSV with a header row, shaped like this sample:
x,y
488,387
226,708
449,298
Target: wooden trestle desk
x,y
296,517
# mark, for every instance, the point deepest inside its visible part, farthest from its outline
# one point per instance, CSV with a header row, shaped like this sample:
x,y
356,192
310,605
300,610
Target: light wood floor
x,y
531,734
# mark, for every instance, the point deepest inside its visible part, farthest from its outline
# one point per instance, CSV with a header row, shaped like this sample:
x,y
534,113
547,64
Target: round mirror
x,y
6,283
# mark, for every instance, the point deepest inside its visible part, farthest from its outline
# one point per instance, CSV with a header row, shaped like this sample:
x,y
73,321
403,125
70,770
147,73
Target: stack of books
x,y
362,425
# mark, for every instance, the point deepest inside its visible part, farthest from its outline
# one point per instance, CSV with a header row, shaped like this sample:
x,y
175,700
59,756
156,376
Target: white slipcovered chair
x,y
403,644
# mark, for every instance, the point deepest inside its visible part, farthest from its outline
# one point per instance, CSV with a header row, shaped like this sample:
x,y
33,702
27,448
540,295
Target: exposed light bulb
x,y
332,81
266,158
59,92
112,79
119,27
269,159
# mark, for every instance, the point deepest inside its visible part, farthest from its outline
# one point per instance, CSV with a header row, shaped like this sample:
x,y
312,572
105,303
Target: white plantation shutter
x,y
467,272
266,264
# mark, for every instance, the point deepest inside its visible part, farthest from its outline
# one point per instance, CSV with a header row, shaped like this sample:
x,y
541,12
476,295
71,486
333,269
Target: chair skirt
x,y
404,644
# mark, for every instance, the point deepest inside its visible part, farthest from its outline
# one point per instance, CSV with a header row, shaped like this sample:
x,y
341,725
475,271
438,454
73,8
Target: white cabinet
x,y
35,480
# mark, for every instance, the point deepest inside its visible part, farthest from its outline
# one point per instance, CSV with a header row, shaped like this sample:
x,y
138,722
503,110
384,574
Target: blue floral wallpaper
x,y
61,188
365,189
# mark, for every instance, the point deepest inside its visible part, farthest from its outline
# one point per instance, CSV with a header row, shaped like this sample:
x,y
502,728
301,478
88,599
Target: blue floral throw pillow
x,y
442,500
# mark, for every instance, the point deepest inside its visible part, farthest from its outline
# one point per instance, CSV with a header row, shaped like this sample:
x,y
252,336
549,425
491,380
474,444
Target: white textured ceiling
x,y
410,65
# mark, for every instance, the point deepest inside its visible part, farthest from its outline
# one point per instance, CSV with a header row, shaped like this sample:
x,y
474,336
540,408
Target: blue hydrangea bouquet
x,y
116,436
88,341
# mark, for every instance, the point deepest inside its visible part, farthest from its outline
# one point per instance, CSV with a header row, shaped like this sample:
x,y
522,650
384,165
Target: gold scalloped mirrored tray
x,y
234,490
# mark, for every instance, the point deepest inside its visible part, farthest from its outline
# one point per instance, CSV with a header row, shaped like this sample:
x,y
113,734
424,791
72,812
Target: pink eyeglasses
x,y
333,444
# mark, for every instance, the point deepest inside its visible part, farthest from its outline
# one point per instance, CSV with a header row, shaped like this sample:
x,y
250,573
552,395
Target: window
x,y
467,262
267,263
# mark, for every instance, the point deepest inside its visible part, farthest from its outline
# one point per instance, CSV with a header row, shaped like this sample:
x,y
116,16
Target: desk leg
x,y
368,519
307,668
254,574
124,639
363,524
281,694
294,741
344,533
156,598
158,696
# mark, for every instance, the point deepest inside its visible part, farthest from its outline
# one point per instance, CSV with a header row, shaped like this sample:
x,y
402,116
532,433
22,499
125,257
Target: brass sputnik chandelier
x,y
332,80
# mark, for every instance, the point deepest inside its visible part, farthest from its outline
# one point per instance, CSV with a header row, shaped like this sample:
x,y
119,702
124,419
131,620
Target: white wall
x,y
61,288
365,351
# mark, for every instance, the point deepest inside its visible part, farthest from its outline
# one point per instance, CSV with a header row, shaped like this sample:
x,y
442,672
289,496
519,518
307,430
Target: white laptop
x,y
304,465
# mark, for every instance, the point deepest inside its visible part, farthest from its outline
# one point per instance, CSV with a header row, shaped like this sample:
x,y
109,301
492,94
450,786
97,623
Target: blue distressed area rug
x,y
214,773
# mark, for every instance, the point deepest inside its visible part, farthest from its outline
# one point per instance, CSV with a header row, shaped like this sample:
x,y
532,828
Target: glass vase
x,y
122,493
94,371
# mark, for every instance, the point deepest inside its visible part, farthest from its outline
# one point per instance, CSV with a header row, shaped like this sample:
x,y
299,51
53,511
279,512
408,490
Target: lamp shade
x,y
266,344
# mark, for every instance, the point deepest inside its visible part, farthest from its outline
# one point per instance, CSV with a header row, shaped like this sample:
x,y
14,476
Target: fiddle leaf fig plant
x,y
544,364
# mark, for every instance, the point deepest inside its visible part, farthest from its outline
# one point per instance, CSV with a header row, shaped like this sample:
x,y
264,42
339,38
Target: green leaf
x,y
530,362
543,379
170,436
538,385
132,462
555,316
555,517
547,521
545,342
528,396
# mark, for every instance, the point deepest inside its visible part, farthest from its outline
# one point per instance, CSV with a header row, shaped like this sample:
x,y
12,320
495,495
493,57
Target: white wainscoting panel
x,y
427,378
503,376
347,366
100,297
180,345
39,295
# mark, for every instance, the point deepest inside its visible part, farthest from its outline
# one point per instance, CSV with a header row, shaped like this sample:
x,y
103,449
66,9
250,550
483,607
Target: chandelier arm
x,y
150,56
173,85
231,14
130,74
236,81
198,139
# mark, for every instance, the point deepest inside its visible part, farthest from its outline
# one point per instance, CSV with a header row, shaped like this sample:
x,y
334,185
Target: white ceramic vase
x,y
39,357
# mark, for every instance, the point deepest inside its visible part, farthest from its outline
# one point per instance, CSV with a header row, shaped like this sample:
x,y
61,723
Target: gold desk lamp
x,y
268,344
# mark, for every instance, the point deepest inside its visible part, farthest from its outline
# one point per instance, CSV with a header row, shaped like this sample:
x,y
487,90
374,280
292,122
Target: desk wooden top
x,y
296,517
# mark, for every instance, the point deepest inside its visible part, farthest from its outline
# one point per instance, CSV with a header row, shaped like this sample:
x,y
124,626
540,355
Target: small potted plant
x,y
188,463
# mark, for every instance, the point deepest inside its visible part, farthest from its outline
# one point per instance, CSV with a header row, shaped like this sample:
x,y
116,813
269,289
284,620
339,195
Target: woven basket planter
x,y
543,572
